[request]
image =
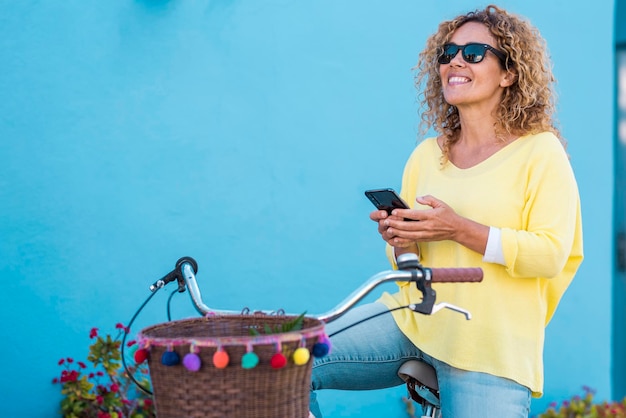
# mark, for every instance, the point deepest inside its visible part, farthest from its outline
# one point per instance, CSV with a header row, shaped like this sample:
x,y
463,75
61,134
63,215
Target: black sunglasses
x,y
472,53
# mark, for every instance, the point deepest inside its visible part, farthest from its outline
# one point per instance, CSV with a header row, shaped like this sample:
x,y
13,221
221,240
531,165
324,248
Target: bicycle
x,y
420,378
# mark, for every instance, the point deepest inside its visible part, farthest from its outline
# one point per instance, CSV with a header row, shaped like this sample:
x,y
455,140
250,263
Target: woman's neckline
x,y
487,154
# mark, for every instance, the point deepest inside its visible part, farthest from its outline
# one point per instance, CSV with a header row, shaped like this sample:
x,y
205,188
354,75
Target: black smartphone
x,y
386,199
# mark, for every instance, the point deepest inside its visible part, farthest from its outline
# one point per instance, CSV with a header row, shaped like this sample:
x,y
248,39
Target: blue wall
x,y
243,134
619,208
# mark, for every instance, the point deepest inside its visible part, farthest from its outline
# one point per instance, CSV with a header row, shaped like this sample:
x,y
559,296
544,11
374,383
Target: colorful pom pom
x,y
249,360
170,358
132,350
221,359
301,356
324,339
192,362
320,349
278,361
141,355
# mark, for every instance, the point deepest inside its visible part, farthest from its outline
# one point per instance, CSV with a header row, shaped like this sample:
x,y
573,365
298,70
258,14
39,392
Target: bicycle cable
x,y
169,303
130,375
367,319
169,318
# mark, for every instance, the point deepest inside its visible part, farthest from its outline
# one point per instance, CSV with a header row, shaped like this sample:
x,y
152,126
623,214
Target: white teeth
x,y
458,80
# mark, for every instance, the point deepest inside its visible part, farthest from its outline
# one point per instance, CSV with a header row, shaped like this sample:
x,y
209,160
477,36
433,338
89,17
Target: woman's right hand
x,y
379,216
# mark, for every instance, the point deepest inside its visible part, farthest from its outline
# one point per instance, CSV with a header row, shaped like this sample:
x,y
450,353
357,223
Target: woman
x,y
493,190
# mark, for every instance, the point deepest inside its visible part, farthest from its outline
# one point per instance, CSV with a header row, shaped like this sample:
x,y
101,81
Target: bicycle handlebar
x,y
456,275
409,270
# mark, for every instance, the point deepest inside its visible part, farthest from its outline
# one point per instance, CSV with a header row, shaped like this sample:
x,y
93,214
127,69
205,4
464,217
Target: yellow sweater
x,y
528,190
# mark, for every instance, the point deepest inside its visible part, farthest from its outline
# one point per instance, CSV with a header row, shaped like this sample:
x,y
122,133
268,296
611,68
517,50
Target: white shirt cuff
x,y
493,252
395,258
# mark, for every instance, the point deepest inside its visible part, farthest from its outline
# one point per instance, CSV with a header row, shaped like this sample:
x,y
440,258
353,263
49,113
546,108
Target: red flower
x,y
105,393
69,376
119,325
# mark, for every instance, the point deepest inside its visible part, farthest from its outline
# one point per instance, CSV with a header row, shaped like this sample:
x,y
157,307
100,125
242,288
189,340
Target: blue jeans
x,y
367,356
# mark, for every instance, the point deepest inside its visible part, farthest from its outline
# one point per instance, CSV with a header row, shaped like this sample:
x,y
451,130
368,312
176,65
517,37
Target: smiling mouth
x,y
458,80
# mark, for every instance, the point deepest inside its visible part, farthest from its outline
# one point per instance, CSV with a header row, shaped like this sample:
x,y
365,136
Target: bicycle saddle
x,y
421,381
422,372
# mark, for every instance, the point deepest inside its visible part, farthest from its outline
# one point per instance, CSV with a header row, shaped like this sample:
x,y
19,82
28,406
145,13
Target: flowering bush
x,y
105,391
576,407
584,407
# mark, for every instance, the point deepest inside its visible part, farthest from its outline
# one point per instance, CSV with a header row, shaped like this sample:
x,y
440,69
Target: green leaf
x,y
294,324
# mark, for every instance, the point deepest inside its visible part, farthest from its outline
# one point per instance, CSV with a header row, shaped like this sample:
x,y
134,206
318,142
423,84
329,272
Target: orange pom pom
x,y
221,359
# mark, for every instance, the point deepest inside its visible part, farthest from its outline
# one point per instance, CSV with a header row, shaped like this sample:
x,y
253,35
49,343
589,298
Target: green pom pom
x,y
249,360
132,350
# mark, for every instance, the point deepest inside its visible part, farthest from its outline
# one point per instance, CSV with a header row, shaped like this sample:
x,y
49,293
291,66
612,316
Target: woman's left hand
x,y
438,223
435,224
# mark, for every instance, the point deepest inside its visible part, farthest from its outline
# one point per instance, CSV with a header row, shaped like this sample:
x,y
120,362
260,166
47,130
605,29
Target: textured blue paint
x,y
243,133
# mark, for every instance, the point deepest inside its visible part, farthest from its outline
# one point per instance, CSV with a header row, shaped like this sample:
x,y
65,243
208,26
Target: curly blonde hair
x,y
527,106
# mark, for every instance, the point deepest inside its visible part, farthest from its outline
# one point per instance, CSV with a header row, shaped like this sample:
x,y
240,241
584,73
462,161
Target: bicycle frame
x,y
409,270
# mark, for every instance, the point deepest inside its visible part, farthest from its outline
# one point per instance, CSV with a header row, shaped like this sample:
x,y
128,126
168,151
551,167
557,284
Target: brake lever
x,y
430,308
422,278
444,305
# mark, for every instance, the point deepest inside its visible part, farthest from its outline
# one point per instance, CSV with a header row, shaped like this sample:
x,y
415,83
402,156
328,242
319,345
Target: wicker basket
x,y
234,391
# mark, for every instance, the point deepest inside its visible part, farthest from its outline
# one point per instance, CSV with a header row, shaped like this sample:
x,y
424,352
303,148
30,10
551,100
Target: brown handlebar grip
x,y
456,275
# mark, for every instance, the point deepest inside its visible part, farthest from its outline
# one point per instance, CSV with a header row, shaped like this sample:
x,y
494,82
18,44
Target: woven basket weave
x,y
233,391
